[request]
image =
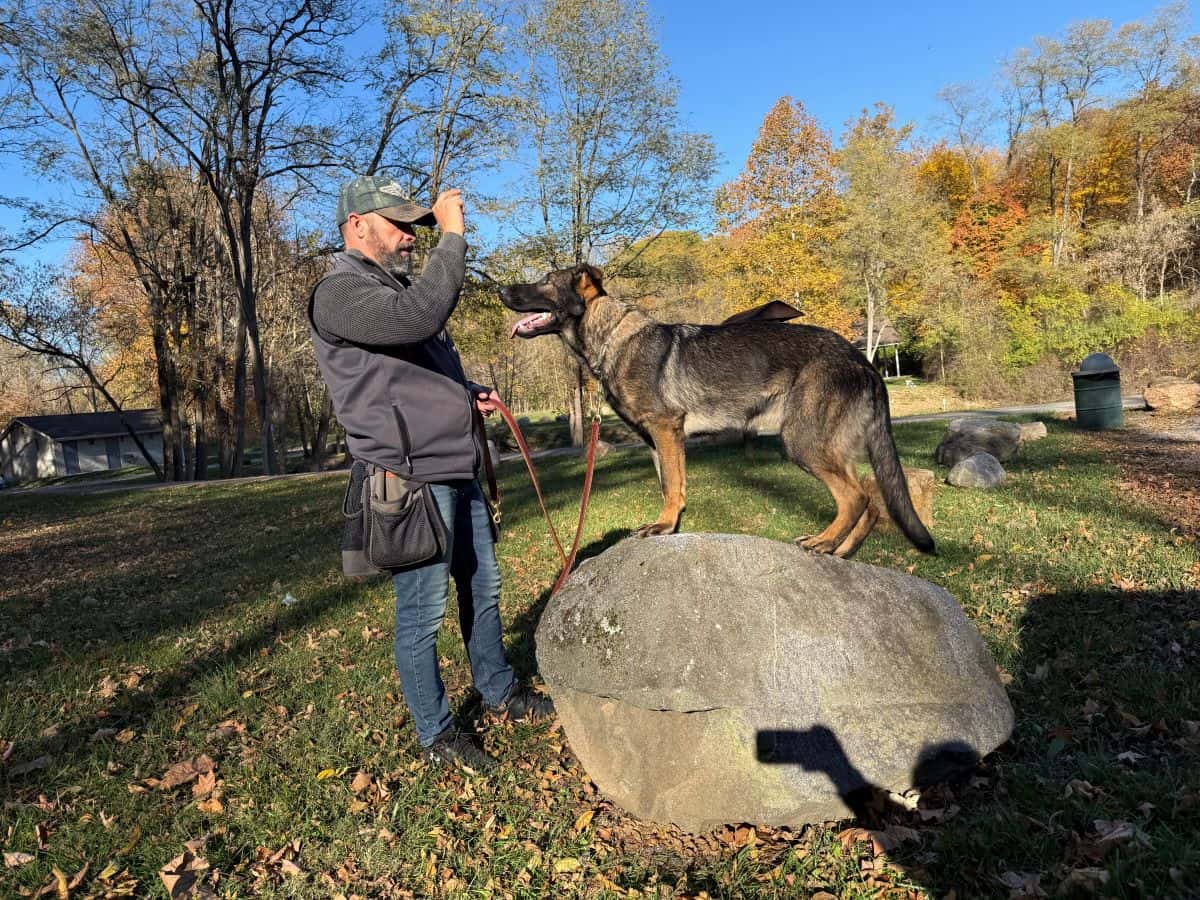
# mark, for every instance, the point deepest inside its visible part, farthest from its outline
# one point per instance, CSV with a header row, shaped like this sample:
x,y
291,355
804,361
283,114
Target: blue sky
x,y
734,60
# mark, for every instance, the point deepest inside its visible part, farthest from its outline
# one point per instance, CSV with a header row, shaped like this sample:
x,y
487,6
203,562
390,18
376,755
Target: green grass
x,y
140,630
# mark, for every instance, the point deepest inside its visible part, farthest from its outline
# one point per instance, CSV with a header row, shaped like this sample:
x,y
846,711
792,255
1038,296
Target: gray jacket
x,y
397,383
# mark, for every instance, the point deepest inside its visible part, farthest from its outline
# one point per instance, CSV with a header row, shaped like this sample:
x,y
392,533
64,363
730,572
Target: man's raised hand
x,y
448,210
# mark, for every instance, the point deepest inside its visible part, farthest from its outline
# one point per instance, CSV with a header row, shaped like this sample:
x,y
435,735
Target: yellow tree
x,y
781,217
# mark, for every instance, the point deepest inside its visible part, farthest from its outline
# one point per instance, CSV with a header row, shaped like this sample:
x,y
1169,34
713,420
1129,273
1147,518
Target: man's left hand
x,y
487,401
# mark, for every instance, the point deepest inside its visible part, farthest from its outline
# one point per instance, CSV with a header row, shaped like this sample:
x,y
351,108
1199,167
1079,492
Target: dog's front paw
x,y
654,528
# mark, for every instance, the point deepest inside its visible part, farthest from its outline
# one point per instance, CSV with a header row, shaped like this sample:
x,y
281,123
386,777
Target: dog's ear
x,y
588,282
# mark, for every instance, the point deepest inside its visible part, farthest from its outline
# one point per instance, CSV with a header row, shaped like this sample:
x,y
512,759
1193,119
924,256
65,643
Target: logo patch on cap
x,y
392,189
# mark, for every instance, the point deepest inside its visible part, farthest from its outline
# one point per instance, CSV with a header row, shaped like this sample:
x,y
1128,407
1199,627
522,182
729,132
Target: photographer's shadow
x,y
818,749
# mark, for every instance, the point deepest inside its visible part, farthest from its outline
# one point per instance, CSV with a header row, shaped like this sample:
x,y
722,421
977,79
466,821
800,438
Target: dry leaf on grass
x,y
1088,880
212,806
1022,885
584,820
60,885
184,876
881,840
32,766
183,772
14,859
361,782
204,784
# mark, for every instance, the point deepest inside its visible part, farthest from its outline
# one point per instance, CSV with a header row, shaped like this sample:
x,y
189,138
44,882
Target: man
x,y
399,390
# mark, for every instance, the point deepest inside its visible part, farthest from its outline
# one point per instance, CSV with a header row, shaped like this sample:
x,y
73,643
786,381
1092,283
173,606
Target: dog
x,y
666,382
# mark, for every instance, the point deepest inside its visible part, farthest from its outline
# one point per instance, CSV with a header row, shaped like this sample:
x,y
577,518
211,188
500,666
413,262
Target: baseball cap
x,y
382,195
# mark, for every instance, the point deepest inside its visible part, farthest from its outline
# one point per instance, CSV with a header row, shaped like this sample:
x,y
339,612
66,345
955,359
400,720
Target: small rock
x,y
1172,395
971,434
89,600
979,470
1032,431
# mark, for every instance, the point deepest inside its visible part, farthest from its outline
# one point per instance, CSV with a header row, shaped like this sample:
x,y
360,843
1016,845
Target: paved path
x,y
108,487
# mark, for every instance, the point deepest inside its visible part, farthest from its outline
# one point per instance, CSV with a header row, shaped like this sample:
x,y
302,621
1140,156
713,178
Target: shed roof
x,y
77,426
883,328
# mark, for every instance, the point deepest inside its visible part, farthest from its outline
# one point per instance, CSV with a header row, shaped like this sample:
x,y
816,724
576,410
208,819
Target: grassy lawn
x,y
187,665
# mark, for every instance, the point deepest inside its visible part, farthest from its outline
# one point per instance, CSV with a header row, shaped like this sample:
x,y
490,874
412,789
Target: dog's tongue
x,y
526,321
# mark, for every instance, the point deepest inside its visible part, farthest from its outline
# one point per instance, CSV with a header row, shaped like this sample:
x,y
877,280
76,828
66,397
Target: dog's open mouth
x,y
532,325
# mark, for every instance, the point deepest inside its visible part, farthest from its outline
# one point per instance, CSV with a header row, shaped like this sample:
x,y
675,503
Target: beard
x,y
397,262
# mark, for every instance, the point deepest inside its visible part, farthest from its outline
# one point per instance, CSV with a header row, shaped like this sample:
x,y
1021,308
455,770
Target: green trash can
x,y
1098,393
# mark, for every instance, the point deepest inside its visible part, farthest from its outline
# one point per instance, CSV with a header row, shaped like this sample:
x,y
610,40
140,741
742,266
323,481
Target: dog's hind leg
x,y
668,449
866,522
851,503
819,451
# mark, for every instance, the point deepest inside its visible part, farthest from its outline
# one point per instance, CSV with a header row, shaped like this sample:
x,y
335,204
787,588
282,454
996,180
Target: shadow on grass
x,y
74,740
185,554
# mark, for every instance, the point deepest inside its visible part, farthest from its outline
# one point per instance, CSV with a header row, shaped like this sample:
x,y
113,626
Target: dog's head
x,y
556,303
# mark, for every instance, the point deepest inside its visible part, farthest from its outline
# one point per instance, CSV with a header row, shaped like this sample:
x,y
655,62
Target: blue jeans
x,y
421,597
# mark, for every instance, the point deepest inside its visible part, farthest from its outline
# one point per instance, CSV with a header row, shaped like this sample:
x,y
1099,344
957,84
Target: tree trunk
x,y
262,399
200,451
322,434
239,400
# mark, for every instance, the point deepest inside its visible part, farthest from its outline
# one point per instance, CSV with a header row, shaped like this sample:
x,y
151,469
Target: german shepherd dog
x,y
828,404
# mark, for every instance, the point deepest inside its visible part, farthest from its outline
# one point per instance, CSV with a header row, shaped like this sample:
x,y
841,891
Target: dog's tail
x,y
881,449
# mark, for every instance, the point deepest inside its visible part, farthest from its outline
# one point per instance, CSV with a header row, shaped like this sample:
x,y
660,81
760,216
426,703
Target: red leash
x,y
493,488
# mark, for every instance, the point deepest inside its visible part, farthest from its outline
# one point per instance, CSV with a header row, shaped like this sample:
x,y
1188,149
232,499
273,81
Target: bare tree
x,y
224,90
966,115
41,315
610,162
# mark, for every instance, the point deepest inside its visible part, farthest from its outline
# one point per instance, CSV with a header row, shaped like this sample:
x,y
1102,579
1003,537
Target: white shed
x,y
33,447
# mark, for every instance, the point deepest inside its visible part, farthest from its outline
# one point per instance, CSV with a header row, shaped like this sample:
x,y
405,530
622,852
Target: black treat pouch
x,y
403,526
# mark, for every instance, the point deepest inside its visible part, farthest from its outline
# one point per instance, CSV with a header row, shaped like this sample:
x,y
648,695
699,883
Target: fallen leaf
x,y
882,841
361,782
569,864
204,784
60,883
1022,884
1084,789
184,876
134,837
32,766
212,806
1113,832
287,867
1088,880
584,820
12,860
182,773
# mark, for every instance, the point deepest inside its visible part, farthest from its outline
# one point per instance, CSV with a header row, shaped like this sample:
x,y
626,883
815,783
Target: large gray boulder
x,y
705,679
971,434
979,470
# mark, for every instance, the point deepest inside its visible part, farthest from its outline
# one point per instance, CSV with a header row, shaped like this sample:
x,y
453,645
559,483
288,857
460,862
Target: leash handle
x,y
488,467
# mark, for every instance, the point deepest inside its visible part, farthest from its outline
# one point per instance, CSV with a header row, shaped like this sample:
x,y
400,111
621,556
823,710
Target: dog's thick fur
x,y
828,404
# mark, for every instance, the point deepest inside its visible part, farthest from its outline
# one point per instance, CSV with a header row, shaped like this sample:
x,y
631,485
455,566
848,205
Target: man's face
x,y
388,242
